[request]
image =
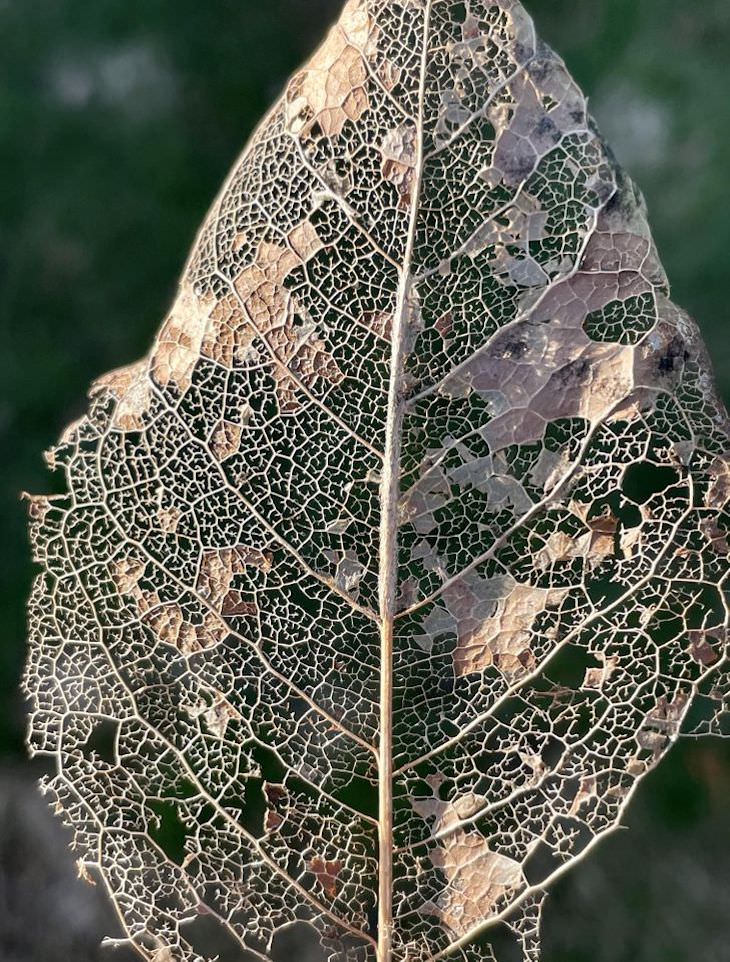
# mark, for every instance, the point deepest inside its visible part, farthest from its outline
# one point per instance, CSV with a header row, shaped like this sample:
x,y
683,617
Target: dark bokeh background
x,y
118,121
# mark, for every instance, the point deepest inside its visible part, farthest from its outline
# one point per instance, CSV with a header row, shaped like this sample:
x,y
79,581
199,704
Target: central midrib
x,y
390,496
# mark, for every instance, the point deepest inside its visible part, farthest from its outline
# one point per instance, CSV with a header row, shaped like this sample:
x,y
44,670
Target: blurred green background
x,y
118,121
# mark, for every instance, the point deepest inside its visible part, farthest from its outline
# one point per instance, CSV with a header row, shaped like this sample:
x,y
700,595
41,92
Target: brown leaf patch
x,y
169,623
327,874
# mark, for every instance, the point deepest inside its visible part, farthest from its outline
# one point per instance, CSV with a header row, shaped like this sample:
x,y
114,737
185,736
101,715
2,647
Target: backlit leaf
x,y
381,582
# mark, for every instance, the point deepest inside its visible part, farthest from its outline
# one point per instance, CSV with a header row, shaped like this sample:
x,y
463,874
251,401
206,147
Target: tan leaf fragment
x,y
163,954
217,571
552,375
663,723
718,493
305,241
272,820
166,620
179,342
389,74
598,543
716,536
219,715
276,799
630,540
494,620
445,324
560,547
261,289
332,88
546,367
587,791
169,518
381,323
700,648
597,677
126,574
264,308
83,872
398,166
38,506
603,535
229,336
133,391
226,440
169,623
477,878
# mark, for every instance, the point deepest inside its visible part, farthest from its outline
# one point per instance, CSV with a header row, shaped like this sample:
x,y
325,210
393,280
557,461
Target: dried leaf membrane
x,y
422,404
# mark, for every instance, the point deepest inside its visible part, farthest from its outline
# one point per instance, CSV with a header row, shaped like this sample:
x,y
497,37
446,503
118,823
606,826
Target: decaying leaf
x,y
380,583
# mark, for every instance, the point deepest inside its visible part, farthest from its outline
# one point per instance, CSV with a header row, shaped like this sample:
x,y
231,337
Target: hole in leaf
x,y
210,939
255,809
102,742
604,591
643,480
502,945
542,862
299,941
307,604
665,627
361,795
708,607
168,831
569,666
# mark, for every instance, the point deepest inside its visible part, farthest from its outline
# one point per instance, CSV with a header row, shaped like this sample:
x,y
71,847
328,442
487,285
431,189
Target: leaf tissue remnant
x,y
383,579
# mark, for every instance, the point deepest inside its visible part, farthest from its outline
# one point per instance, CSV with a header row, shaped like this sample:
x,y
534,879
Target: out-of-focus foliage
x,y
46,914
117,122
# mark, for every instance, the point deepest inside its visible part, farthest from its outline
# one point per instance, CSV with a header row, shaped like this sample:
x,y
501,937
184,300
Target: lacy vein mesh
x,y
205,635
